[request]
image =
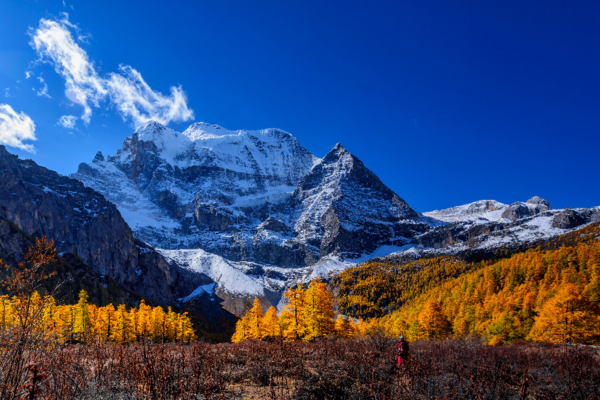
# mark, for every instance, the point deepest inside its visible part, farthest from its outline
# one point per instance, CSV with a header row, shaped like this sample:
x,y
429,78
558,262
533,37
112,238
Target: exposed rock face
x,y
568,219
344,208
542,204
595,214
80,221
206,187
533,206
458,233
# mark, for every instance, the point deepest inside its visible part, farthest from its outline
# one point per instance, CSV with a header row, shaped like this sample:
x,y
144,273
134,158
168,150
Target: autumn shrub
x,y
342,369
24,334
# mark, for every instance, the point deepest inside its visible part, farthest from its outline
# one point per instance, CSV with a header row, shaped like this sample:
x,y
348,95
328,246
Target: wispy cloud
x,y
44,90
28,74
7,92
126,90
67,121
16,128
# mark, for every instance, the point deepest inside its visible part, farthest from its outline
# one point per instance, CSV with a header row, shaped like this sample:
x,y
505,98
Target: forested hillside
x,y
542,294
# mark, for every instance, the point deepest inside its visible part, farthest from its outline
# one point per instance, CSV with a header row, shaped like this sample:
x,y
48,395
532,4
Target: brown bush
x,y
357,369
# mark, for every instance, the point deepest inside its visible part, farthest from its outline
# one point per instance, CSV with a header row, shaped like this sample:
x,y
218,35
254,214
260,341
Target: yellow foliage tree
x,y
318,311
568,317
82,324
40,317
296,326
271,327
307,316
241,331
345,328
123,330
432,321
254,316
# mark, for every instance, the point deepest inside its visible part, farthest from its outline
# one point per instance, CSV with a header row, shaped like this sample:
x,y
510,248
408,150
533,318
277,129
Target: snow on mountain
x,y
254,212
249,195
177,189
236,284
483,210
200,291
346,207
227,275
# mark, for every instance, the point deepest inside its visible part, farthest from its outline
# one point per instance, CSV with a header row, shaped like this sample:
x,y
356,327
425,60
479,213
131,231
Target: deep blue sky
x,y
447,102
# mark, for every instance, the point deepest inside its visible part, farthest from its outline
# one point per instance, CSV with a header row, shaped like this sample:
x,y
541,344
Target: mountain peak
x,y
338,152
164,138
204,130
99,157
481,209
537,200
149,127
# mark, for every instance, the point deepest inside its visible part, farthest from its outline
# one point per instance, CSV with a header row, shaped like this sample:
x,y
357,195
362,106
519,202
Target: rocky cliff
x,y
40,202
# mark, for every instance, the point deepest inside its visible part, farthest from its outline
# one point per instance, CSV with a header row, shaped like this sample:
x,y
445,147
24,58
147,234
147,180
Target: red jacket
x,y
402,348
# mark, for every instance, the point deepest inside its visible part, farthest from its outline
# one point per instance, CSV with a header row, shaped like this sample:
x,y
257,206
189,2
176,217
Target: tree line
x,y
27,310
309,315
84,321
550,295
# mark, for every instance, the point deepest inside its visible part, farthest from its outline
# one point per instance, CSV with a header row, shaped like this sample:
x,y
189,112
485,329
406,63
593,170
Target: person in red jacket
x,y
402,349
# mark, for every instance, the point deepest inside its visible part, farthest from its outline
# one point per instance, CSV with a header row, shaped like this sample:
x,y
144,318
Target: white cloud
x,y
44,90
16,128
126,90
7,92
28,74
67,121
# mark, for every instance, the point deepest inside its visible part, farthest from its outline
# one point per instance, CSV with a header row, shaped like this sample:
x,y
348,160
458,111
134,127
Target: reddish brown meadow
x,y
353,369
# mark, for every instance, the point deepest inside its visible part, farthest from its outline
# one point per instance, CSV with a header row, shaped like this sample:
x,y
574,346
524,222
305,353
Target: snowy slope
x,y
228,276
177,189
483,210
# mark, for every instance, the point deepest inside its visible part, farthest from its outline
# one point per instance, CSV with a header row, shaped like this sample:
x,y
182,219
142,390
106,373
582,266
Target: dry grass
x,y
358,369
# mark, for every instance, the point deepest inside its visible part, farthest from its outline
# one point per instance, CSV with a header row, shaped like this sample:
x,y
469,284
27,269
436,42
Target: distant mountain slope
x,y
508,298
386,284
490,210
490,224
81,222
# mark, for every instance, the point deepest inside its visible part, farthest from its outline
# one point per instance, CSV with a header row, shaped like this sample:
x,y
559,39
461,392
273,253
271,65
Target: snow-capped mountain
x,y
248,195
254,212
348,210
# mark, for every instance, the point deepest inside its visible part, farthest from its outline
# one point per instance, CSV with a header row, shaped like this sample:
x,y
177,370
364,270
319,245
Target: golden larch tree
x,y
318,311
271,328
296,326
568,317
433,323
254,317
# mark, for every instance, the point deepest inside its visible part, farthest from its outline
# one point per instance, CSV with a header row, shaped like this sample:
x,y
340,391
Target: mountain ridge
x,y
244,194
257,207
